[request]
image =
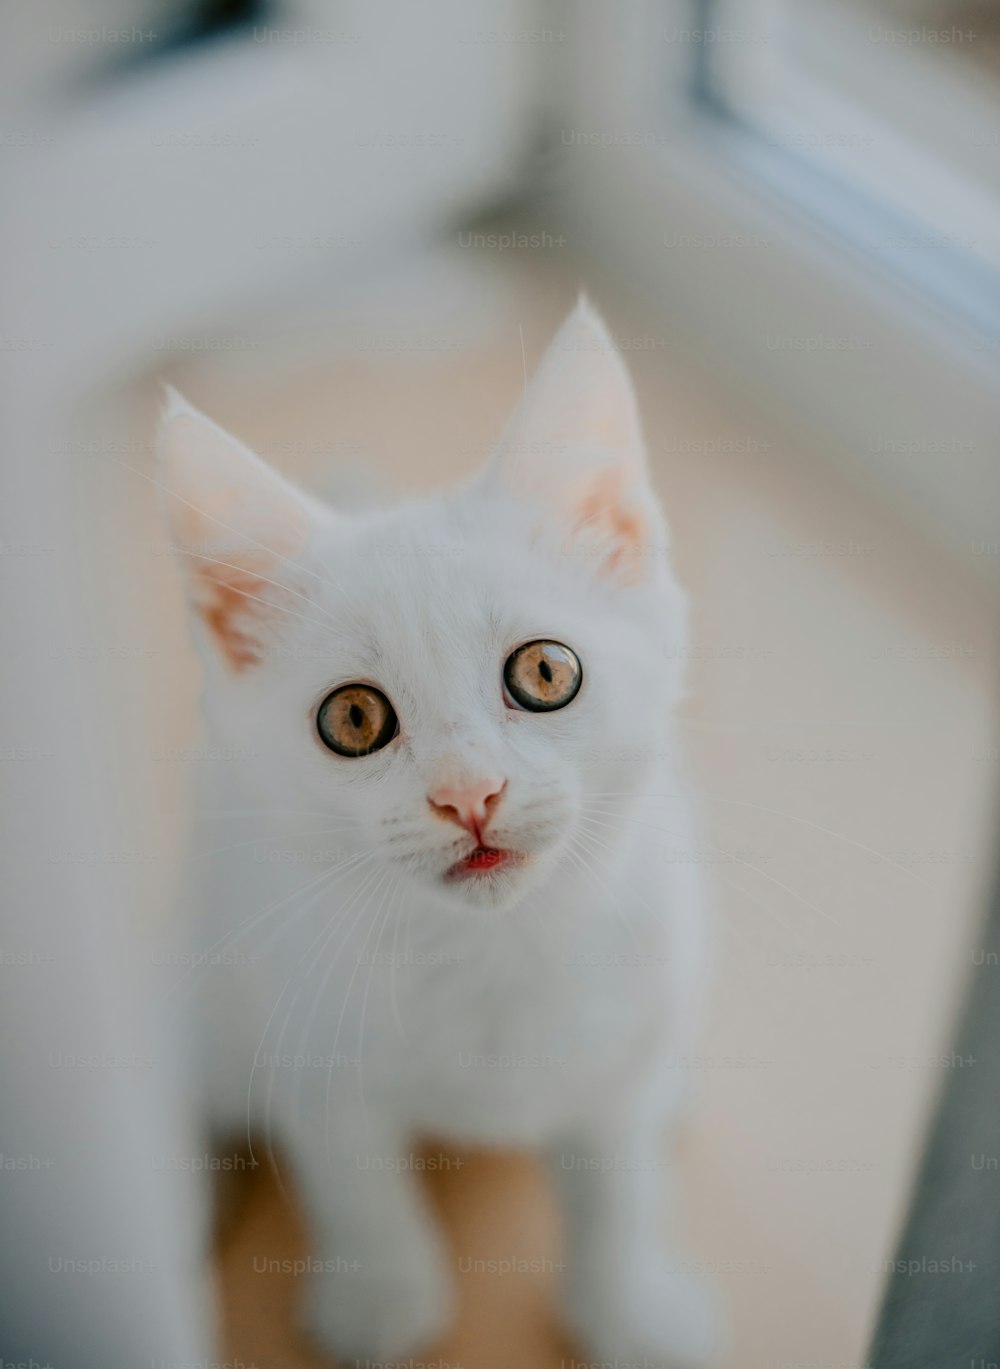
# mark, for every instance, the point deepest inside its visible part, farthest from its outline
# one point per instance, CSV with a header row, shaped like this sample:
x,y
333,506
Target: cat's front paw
x,y
665,1318
378,1314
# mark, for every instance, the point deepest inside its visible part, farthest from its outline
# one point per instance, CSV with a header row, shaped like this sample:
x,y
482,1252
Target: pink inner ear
x,y
607,511
242,527
228,604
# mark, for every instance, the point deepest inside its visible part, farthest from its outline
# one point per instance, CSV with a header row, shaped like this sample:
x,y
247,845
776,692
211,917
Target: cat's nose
x,y
469,805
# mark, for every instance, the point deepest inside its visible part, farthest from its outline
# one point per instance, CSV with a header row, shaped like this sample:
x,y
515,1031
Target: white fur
x,y
548,1007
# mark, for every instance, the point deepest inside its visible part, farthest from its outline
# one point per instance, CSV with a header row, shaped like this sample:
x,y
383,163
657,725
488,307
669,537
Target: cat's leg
x,y
629,1295
380,1287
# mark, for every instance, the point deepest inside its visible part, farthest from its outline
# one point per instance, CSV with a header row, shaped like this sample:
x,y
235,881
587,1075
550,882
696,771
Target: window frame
x,y
921,374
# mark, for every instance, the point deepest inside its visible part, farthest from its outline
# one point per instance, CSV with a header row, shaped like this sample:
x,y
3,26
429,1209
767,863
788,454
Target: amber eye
x,y
542,676
356,720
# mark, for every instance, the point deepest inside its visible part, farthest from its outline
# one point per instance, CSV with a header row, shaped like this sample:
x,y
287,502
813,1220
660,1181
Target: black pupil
x,y
356,715
545,670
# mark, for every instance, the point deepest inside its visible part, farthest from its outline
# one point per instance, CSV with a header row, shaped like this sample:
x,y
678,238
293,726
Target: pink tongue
x,y
484,859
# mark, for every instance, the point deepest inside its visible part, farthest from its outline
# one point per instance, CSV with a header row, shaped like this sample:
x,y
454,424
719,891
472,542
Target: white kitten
x,y
469,929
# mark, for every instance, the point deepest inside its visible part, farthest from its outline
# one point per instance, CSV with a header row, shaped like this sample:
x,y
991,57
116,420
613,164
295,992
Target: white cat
x,y
436,898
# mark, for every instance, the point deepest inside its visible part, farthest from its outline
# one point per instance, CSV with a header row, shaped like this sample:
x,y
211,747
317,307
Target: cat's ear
x,y
238,527
574,449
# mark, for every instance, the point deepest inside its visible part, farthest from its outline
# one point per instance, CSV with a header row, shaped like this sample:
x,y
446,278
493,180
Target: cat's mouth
x,y
483,862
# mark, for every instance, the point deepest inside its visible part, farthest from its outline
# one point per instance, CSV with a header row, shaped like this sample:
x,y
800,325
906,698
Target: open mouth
x,y
484,860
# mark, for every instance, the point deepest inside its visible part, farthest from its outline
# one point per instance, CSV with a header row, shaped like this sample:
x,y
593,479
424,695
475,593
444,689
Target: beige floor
x,y
843,725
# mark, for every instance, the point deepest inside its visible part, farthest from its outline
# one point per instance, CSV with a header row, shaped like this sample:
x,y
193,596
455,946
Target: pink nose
x,y
468,805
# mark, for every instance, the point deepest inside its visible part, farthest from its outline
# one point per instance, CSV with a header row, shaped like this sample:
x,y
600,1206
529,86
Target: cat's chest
x,y
493,1031
509,1045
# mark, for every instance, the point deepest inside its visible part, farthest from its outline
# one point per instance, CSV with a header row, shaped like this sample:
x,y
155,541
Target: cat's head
x,y
450,680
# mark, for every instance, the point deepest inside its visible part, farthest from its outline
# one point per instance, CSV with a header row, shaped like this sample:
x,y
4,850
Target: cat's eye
x,y
542,676
356,720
